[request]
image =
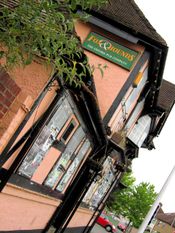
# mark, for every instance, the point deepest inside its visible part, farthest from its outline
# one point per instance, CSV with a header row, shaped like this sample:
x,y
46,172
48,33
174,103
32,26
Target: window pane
x,y
75,164
45,139
135,114
104,185
68,130
65,158
99,188
36,153
140,130
61,115
136,91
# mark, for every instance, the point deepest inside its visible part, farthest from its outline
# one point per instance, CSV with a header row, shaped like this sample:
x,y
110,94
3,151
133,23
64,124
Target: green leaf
x,y
133,202
45,29
2,54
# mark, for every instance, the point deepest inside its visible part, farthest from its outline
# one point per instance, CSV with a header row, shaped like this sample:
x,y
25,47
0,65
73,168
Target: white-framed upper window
x,y
128,103
140,130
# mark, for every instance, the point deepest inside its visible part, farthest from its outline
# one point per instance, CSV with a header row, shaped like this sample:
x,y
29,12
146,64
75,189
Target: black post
x,y
75,193
101,205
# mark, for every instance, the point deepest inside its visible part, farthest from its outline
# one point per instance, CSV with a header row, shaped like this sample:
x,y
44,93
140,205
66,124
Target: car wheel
x,y
108,228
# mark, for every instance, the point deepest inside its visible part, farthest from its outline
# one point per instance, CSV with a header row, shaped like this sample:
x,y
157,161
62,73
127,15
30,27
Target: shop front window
x,y
45,139
60,148
61,166
73,167
68,131
99,189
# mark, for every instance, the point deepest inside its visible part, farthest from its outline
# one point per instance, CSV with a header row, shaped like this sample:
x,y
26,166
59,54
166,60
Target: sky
x,y
155,166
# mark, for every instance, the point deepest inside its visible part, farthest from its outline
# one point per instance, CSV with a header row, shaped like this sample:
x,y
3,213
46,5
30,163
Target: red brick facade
x,y
8,91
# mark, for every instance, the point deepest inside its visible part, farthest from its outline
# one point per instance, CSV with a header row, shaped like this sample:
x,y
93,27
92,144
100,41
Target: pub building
x,y
63,150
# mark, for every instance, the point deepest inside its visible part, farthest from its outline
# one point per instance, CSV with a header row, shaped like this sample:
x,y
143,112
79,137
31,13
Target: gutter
x,y
163,57
110,28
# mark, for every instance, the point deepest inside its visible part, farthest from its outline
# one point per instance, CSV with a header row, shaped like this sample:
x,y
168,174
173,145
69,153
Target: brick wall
x,y
12,100
8,92
17,95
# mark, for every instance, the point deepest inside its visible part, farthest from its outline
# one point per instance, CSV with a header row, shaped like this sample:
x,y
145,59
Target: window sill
x,y
26,184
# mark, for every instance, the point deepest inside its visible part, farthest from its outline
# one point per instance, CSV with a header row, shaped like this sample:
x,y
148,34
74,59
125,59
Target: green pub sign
x,y
110,50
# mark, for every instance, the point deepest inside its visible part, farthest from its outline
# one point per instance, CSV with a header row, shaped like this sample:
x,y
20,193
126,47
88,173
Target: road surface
x,y
98,229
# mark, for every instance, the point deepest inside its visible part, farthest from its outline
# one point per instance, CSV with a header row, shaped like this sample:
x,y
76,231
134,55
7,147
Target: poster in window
x,y
45,139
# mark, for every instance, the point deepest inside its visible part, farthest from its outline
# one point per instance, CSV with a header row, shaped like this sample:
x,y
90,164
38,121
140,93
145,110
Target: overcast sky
x,y
155,166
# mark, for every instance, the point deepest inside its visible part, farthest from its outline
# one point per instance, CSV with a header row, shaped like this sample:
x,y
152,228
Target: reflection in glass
x,y
99,188
45,139
73,167
135,92
65,158
68,130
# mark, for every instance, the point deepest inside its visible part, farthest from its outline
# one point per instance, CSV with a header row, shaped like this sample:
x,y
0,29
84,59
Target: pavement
x,y
98,229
